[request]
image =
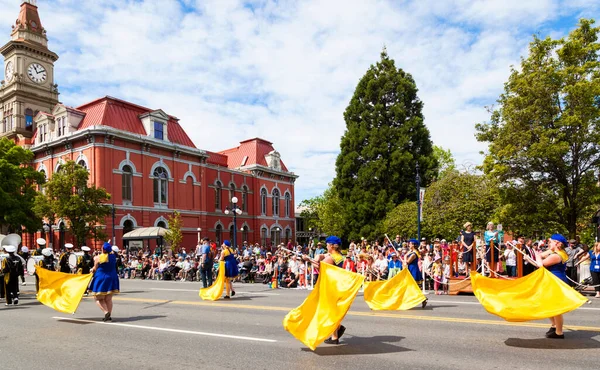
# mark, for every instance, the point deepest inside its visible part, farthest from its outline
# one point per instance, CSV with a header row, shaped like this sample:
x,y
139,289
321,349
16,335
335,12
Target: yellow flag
x,y
539,295
325,307
60,291
399,293
214,292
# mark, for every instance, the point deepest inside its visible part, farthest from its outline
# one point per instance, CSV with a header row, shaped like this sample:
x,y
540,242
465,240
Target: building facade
x,y
143,157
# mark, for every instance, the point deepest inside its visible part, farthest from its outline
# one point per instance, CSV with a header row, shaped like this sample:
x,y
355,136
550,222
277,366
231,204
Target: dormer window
x,y
28,119
159,130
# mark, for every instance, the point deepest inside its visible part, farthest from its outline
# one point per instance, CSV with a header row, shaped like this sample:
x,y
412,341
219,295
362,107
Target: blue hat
x,y
107,247
333,240
227,243
559,238
414,241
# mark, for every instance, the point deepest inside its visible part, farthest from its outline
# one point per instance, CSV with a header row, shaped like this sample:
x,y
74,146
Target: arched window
x,y
275,236
162,224
288,235
83,164
126,183
263,236
275,202
244,199
245,233
161,179
263,201
218,195
41,187
28,119
219,235
127,226
231,193
288,204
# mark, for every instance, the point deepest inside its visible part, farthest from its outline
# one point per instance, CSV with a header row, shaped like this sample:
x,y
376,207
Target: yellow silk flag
x,y
60,291
325,307
399,293
539,295
214,292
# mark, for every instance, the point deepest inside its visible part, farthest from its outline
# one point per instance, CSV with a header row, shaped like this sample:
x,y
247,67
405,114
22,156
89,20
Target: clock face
x,y
10,71
37,73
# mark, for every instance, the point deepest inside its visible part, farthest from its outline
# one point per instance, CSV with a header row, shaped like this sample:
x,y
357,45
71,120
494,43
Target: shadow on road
x,y
431,307
353,345
573,340
114,319
132,292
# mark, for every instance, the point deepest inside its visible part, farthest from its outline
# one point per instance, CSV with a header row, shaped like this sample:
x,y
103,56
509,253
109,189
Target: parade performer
x,y
63,261
411,261
320,315
41,244
106,281
12,267
85,263
47,263
231,268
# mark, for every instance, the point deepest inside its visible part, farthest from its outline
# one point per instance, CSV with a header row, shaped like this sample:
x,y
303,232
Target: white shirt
x,y
511,258
381,265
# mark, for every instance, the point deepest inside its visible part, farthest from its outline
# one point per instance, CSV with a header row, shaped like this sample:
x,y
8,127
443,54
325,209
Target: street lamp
x,y
199,230
236,211
418,181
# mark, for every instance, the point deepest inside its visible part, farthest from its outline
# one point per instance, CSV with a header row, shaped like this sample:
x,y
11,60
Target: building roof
x,y
29,19
216,159
122,115
254,149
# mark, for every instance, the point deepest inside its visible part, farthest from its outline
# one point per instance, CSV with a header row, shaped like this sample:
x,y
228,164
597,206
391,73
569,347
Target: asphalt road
x,y
165,325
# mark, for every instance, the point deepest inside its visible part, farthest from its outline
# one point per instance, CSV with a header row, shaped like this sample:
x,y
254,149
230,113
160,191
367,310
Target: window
x,y
218,195
161,178
288,235
41,187
288,203
82,164
263,201
275,236
159,128
244,199
245,233
28,119
275,202
231,194
161,224
126,182
219,235
128,226
263,236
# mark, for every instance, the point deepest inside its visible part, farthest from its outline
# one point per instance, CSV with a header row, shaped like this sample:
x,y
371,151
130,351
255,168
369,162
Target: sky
x,y
285,71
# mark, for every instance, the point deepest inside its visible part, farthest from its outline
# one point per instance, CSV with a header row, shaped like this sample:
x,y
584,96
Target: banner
x,y
214,292
60,291
421,200
325,307
399,293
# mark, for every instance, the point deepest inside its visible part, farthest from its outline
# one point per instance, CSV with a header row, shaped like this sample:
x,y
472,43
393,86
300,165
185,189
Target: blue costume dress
x,y
560,269
231,265
413,268
105,280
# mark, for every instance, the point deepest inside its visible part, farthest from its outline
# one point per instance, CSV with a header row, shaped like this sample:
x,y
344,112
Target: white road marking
x,y
196,290
168,330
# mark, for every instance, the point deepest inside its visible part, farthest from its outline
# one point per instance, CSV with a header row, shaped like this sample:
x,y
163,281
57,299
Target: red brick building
x,y
143,157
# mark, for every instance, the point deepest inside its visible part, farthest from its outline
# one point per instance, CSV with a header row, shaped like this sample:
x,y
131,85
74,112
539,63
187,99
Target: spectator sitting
x,y
289,280
132,268
381,266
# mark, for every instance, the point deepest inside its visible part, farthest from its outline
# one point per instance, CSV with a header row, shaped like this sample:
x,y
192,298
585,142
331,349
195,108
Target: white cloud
x,y
285,70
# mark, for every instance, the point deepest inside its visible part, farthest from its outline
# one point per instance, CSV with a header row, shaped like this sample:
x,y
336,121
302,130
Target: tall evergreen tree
x,y
384,140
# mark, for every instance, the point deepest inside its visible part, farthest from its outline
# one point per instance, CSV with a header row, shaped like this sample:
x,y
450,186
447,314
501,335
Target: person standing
x,y
85,263
12,267
492,241
594,257
511,260
572,249
47,263
63,262
231,268
411,261
206,263
41,244
106,281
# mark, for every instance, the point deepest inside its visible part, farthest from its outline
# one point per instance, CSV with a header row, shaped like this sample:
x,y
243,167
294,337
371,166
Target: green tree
x,y
544,138
18,182
173,236
445,160
325,212
449,202
67,195
384,140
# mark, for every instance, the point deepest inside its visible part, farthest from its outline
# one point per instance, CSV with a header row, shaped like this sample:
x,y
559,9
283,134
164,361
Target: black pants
x,y
572,274
596,280
12,289
206,272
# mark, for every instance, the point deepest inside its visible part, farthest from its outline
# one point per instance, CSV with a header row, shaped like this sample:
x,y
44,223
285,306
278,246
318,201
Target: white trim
x,y
127,162
59,163
83,158
159,219
217,224
162,164
130,218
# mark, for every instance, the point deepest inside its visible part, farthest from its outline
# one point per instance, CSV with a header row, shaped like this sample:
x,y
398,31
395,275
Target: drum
x,y
73,259
32,262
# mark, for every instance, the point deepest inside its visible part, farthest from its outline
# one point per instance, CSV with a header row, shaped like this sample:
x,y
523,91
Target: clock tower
x,y
28,84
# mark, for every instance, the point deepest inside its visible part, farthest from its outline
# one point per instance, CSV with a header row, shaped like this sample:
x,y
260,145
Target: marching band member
x,y
63,261
41,244
332,257
85,263
106,281
47,263
12,267
24,253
